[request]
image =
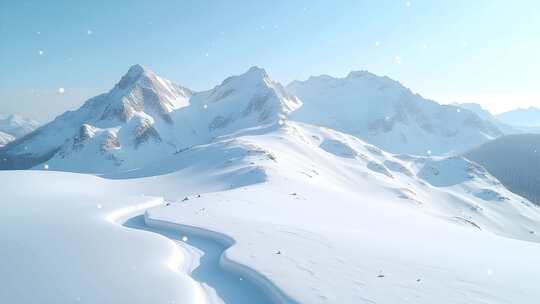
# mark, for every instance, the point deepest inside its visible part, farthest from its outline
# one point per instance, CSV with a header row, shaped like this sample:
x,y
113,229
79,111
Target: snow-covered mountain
x,y
130,110
5,138
146,117
486,115
17,125
529,117
515,161
524,120
385,113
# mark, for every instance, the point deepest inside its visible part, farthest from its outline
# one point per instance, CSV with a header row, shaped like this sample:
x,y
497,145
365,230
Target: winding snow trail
x,y
228,286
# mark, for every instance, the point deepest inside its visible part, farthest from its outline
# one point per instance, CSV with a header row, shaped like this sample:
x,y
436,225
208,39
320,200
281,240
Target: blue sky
x,y
468,51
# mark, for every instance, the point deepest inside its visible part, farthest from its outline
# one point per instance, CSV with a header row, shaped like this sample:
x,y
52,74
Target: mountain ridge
x,y
384,112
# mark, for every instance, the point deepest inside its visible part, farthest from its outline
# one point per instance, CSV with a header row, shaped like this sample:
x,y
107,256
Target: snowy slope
x,y
515,161
385,113
529,117
60,245
17,126
5,138
321,215
331,219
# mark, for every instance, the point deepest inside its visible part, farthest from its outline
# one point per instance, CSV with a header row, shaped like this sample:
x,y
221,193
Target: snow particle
x,y
184,238
429,152
241,279
398,60
39,33
61,90
40,52
46,167
99,206
458,110
377,43
205,106
408,4
89,32
489,272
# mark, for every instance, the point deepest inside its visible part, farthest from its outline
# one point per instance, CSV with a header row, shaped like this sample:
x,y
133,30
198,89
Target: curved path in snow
x,y
228,285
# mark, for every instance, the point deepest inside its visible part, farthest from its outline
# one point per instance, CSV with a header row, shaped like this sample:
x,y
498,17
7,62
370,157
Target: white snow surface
x,y
387,114
60,244
321,215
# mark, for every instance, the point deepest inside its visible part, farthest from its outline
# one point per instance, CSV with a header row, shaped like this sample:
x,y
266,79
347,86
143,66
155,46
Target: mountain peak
x,y
133,75
136,70
362,73
256,71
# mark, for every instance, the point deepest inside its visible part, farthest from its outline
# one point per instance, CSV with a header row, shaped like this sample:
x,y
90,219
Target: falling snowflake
x,y
241,279
207,54
408,4
61,90
489,272
89,32
184,238
377,43
398,60
39,33
46,167
99,206
458,110
40,52
429,152
205,106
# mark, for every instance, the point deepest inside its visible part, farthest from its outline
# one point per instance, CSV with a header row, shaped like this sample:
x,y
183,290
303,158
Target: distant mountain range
x,y
145,117
14,126
384,112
